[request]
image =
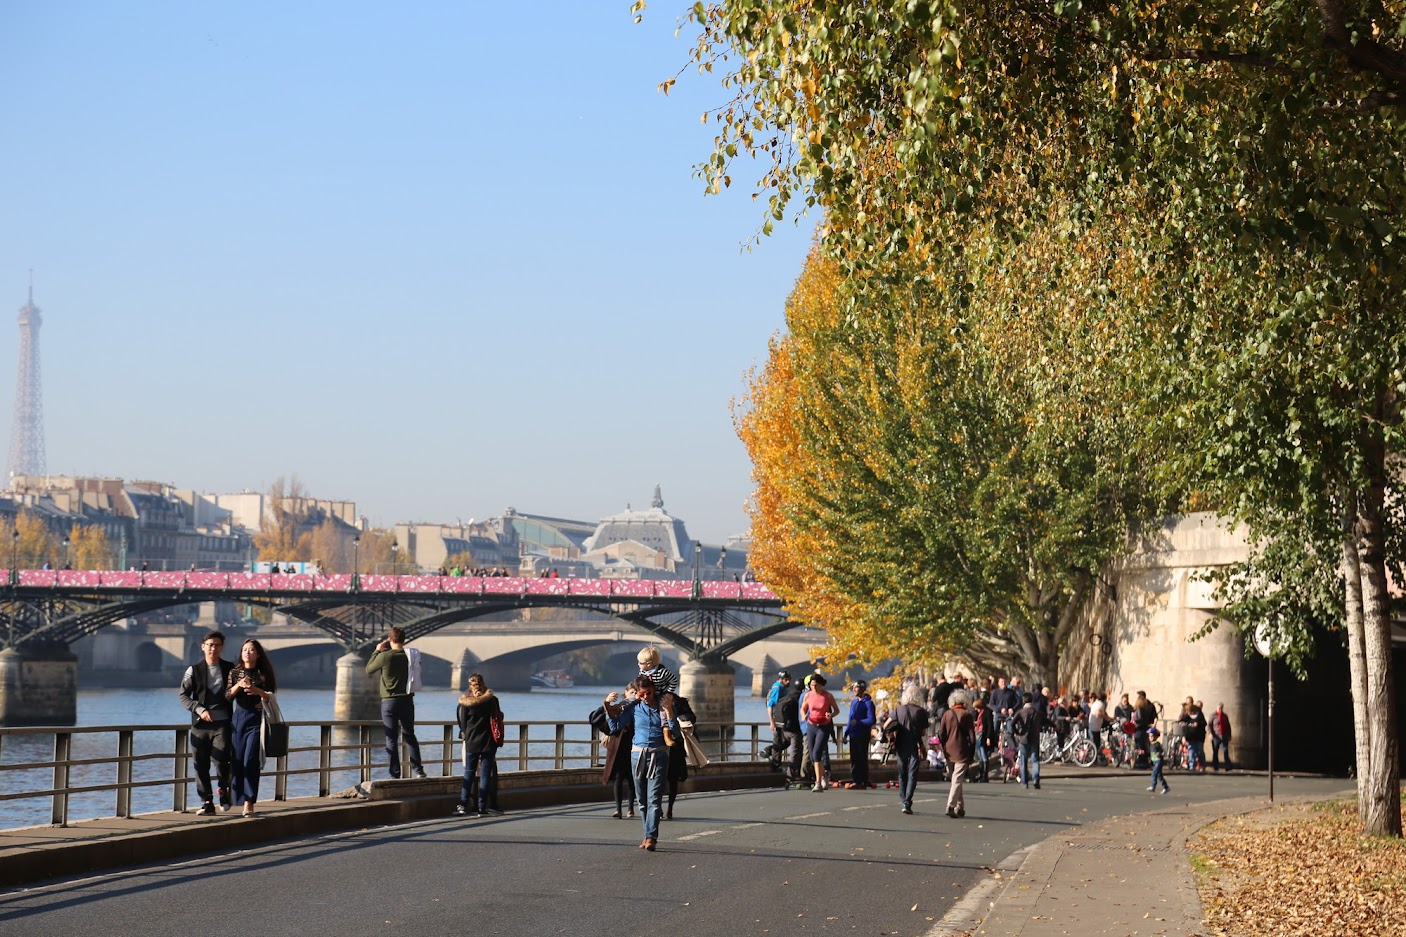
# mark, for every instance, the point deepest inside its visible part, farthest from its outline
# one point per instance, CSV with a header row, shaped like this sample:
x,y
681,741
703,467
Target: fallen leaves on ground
x,y
1288,870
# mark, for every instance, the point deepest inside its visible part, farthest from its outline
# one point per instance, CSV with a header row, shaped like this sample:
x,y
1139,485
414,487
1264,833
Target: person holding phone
x,y
391,665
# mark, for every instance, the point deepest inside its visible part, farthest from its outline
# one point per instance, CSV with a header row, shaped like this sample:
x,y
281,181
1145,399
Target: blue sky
x,y
437,258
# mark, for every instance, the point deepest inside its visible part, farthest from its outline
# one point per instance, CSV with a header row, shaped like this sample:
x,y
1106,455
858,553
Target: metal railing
x,y
104,771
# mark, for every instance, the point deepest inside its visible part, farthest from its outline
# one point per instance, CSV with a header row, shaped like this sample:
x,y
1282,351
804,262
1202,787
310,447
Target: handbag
x,y
693,751
495,729
274,729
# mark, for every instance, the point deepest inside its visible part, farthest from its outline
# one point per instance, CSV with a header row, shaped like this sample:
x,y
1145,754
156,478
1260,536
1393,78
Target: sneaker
x,y
225,802
1153,788
1037,785
907,809
461,811
207,809
1166,790
420,773
816,789
961,812
952,812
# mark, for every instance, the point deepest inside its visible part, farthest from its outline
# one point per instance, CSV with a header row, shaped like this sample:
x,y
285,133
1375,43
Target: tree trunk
x,y
1380,791
1356,663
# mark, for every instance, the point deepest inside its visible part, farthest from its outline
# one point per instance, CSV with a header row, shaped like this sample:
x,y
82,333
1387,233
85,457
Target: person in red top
x,y
1220,737
958,733
818,710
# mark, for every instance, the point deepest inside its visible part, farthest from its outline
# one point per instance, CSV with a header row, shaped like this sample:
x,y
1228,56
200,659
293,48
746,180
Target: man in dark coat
x,y
1027,725
958,733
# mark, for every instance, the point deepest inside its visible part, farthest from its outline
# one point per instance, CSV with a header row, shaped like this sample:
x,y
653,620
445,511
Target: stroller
x,y
1010,771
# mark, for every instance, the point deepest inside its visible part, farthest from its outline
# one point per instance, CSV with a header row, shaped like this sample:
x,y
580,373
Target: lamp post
x,y
697,569
395,555
15,558
65,553
356,563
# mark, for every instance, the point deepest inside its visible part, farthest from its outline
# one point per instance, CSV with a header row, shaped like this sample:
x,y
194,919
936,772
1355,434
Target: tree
x,y
282,536
330,545
1264,142
88,547
912,498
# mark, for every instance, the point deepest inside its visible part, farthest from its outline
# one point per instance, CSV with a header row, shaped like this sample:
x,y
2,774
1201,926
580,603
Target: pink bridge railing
x,y
133,581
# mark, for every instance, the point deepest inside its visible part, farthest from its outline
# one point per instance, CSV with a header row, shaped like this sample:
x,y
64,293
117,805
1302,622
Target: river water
x,y
160,707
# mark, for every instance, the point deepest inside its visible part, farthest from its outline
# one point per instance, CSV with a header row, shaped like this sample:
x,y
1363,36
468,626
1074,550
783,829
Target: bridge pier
x,y
708,685
38,686
356,697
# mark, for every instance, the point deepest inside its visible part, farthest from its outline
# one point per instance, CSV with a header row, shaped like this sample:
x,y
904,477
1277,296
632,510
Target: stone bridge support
x,y
356,696
38,686
708,685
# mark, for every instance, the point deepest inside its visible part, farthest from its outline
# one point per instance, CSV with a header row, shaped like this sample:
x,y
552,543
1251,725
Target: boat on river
x,y
553,679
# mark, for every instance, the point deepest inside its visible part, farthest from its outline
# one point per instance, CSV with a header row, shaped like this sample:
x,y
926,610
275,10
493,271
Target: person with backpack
x,y
907,728
477,709
786,716
818,711
1026,726
859,728
984,738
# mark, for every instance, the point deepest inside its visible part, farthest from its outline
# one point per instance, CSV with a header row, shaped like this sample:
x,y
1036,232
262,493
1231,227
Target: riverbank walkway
x,y
1118,876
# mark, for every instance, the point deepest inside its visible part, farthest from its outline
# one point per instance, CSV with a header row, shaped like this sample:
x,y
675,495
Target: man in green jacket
x,y
397,702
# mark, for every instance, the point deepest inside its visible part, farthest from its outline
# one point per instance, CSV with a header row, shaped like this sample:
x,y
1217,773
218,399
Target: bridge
x,y
42,612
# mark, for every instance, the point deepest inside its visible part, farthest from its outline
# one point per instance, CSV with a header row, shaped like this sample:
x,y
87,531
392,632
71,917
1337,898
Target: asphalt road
x,y
735,863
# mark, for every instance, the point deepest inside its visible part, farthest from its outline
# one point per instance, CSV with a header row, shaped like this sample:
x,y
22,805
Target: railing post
x,y
124,774
522,746
447,752
280,778
559,749
63,753
324,760
180,787
365,755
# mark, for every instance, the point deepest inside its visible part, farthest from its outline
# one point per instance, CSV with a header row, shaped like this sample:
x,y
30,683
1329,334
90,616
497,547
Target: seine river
x,y
160,707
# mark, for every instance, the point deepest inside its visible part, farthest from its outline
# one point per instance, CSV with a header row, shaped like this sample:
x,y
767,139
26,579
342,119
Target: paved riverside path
x,y
744,862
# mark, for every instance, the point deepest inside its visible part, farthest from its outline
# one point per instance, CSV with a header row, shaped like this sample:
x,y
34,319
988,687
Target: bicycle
x,y
1078,748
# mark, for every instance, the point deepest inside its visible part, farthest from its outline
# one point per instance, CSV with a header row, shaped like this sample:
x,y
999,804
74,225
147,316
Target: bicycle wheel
x,y
1084,753
1049,747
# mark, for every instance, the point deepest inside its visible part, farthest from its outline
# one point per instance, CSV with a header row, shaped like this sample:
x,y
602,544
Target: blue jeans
x,y
1197,755
651,770
1219,745
398,718
484,765
1028,753
1157,779
908,763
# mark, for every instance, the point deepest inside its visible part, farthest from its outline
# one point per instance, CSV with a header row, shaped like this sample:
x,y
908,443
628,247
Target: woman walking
x,y
249,682
818,711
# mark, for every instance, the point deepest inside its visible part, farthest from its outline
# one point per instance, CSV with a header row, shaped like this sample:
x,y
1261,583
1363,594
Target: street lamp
x,y
697,569
722,558
15,557
356,563
65,553
395,554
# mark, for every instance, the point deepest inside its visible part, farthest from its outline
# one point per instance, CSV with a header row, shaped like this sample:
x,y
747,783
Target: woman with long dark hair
x,y
250,681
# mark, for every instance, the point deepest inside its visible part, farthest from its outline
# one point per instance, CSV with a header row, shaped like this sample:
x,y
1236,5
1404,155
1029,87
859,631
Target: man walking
x,y
644,720
1220,737
397,702
958,733
910,729
203,693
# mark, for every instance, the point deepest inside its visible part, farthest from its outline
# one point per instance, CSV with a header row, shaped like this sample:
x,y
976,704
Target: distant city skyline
x,y
440,260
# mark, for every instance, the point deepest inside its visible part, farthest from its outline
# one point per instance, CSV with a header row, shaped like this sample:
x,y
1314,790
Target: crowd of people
x,y
970,731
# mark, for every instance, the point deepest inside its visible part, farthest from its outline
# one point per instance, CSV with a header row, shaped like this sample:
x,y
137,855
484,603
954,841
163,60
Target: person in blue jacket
x,y
650,731
858,731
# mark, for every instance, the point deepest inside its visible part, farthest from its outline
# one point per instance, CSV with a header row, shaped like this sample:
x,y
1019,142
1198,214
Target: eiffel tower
x,y
27,431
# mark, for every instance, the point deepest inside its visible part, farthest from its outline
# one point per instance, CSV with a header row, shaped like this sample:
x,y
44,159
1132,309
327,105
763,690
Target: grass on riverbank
x,y
1298,870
